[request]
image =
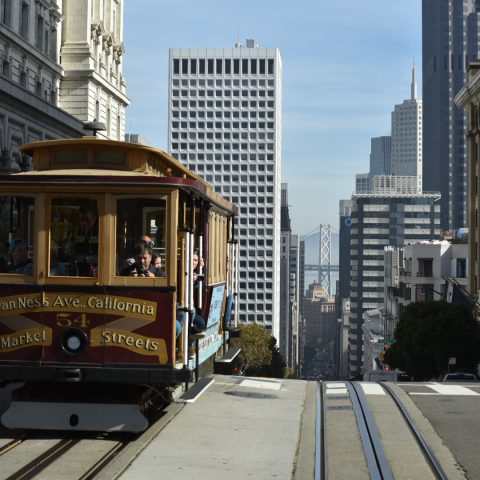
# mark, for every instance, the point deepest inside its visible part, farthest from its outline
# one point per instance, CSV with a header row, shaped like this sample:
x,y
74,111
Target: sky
x,y
346,64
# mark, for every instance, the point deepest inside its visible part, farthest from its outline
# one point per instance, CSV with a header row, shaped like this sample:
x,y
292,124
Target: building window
x,y
270,66
193,66
40,32
245,66
424,293
7,13
24,21
461,268
210,66
425,267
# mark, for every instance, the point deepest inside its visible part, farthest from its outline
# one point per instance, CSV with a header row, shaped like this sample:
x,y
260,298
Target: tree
x,y
276,368
254,342
428,334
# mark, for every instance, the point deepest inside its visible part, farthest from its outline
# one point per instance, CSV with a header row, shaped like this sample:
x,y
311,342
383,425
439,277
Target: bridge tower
x,y
324,266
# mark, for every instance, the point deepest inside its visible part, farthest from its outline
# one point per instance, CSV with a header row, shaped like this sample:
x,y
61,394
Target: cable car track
x,y
10,445
63,452
376,455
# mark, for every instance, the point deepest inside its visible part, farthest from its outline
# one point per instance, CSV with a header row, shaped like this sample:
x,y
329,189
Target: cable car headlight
x,y
73,341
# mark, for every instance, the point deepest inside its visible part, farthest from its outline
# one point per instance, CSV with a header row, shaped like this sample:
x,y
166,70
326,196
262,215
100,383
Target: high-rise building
x,y
345,228
379,220
294,300
225,124
285,339
445,44
406,152
381,155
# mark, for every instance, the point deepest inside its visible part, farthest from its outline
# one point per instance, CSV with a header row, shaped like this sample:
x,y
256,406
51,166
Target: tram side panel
x,y
91,327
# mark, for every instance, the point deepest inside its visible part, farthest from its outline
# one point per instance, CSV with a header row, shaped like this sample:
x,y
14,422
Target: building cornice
x,y
92,75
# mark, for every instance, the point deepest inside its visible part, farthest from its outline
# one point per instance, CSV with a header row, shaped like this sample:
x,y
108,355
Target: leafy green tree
x,y
276,368
428,334
254,342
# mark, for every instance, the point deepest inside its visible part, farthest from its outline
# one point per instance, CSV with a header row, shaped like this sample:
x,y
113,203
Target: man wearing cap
x,y
20,263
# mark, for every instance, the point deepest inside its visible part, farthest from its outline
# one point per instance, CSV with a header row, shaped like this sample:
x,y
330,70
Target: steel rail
x,y
104,461
38,464
377,462
427,452
11,445
320,445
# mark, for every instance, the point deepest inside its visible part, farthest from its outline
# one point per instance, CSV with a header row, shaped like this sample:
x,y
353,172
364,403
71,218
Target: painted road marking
x,y
335,385
440,389
337,388
260,384
372,389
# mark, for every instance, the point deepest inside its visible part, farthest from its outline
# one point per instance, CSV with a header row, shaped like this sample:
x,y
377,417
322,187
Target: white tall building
x,y
406,153
225,124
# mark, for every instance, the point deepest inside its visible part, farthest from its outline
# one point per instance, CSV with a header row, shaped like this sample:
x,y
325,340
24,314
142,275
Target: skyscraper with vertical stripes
x,y
446,51
225,124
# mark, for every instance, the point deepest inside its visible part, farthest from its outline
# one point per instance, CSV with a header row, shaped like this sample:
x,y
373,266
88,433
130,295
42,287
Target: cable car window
x,y
140,222
110,158
69,157
17,235
74,237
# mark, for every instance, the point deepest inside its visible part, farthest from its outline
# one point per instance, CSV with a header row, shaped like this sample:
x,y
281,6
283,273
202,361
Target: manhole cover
x,y
250,394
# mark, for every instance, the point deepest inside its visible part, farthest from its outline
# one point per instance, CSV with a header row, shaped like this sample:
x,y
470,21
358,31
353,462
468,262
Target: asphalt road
x,y
454,412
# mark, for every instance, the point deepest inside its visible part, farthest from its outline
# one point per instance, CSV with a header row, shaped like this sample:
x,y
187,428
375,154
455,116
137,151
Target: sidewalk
x,y
239,428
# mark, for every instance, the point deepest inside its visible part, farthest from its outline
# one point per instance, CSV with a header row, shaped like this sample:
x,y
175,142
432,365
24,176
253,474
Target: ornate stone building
x,y
60,66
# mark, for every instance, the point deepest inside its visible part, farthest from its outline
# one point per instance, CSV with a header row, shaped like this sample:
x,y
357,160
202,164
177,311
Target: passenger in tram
x,y
19,261
157,263
198,325
86,238
86,242
140,265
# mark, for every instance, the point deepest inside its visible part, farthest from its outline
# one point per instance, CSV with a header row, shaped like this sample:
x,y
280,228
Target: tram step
x,y
229,356
196,390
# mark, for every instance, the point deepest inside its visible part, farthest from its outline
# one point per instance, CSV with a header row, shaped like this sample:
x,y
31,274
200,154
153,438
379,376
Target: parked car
x,y
460,377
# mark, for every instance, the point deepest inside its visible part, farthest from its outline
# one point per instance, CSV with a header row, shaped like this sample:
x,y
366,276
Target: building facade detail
x,y
468,98
38,99
93,86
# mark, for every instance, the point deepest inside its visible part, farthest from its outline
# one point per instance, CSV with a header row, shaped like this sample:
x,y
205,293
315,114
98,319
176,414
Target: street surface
x,y
266,428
